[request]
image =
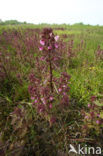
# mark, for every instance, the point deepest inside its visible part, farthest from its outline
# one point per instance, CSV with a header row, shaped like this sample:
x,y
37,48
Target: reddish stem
x,y
51,74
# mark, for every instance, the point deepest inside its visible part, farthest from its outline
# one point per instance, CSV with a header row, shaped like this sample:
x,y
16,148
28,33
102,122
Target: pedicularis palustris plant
x,y
48,45
93,119
51,93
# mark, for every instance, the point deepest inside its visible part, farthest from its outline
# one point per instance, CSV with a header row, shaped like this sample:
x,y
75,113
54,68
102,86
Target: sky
x,y
53,11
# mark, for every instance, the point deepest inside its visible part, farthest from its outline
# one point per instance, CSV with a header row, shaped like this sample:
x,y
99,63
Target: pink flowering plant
x,y
99,53
93,119
31,115
49,94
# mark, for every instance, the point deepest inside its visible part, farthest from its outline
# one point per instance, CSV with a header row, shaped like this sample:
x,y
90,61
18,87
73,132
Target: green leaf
x,y
8,99
55,88
98,103
101,115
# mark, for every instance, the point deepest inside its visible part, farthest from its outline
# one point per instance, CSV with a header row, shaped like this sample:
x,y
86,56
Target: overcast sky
x,y
53,11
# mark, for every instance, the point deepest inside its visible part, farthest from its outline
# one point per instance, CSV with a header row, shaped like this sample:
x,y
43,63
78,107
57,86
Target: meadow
x,y
51,88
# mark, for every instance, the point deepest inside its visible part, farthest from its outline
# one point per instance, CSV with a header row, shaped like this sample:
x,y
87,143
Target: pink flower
x,y
55,59
50,106
43,100
64,93
56,38
42,58
86,117
51,98
32,98
98,115
64,86
41,108
56,45
40,48
98,122
50,34
49,48
59,89
36,101
42,42
89,105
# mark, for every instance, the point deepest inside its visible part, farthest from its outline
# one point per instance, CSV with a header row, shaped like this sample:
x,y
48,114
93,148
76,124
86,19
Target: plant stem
x,y
51,74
